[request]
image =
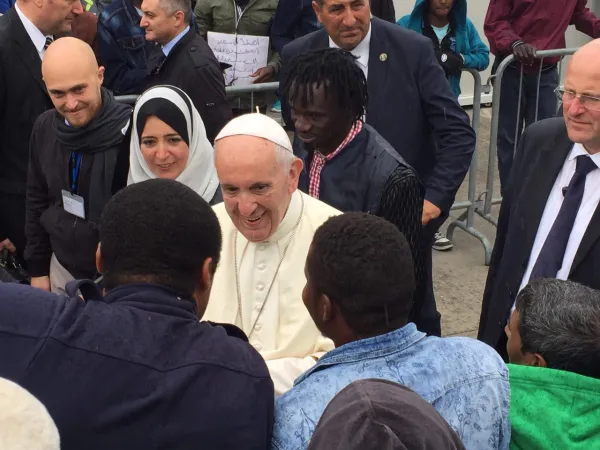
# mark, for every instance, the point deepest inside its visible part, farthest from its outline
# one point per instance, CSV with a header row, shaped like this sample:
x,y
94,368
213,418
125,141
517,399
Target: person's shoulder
x,y
230,350
43,122
546,130
317,210
400,35
222,215
301,44
28,310
476,357
199,52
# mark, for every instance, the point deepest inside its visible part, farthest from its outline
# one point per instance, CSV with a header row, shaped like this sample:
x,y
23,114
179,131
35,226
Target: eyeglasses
x,y
567,96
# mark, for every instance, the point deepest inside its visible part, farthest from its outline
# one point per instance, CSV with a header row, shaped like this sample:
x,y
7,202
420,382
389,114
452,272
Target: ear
x,y
317,10
206,275
179,17
294,174
99,259
101,74
538,360
39,3
327,312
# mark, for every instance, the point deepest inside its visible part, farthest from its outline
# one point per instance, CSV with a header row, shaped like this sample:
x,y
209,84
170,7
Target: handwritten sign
x,y
246,54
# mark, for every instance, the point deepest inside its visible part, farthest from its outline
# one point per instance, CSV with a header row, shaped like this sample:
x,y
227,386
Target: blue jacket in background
x,y
293,19
5,5
468,42
135,370
123,49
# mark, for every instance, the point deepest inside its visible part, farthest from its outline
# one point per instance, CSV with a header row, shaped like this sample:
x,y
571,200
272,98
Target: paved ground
x,y
459,275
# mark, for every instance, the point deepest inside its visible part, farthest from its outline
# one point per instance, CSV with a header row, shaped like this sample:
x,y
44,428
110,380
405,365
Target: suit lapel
x,y
378,69
537,191
28,54
591,235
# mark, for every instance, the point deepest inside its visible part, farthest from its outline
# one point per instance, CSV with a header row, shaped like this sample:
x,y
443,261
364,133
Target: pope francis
x,y
267,226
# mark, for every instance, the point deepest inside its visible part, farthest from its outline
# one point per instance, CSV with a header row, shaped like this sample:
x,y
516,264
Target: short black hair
x,y
158,231
364,264
560,320
334,69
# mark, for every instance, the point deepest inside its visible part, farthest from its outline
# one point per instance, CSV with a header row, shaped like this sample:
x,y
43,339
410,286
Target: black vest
x,y
354,180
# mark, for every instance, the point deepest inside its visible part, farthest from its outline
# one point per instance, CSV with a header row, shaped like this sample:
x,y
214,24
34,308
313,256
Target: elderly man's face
x,y
58,15
256,187
583,124
159,25
347,21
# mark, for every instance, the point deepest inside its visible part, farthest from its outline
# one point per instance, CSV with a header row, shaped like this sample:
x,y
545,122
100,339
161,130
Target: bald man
x,y
267,226
25,30
79,159
549,225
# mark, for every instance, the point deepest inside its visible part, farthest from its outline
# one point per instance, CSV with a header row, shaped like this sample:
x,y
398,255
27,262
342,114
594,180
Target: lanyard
x,y
76,162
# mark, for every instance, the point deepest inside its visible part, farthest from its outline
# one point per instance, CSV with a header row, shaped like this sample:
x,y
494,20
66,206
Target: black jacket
x,y
411,105
192,67
49,228
540,156
135,370
23,97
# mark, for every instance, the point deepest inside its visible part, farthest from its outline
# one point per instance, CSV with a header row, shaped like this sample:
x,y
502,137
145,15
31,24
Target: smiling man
x,y
549,224
186,61
267,227
79,158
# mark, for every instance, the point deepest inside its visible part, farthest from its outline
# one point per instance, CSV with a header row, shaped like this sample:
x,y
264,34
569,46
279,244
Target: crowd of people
x,y
191,276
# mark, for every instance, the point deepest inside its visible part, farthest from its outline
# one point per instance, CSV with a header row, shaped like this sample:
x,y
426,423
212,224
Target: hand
x,y
264,75
430,212
451,62
525,53
42,283
6,244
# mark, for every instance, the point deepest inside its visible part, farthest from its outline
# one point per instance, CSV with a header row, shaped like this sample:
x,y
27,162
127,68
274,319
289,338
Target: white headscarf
x,y
199,173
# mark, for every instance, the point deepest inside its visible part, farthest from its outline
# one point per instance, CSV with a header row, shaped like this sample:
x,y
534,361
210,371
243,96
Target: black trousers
x,y
426,316
12,221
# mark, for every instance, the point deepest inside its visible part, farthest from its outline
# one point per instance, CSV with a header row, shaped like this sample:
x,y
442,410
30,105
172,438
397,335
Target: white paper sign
x,y
246,54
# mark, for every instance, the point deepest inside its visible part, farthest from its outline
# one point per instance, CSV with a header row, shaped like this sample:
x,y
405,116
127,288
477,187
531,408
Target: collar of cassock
x,y
290,218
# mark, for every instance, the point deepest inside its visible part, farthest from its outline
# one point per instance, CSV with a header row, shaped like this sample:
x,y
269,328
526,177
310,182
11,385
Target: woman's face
x,y
165,152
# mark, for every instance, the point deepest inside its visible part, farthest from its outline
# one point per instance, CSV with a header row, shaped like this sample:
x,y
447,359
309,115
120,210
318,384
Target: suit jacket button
x,y
193,49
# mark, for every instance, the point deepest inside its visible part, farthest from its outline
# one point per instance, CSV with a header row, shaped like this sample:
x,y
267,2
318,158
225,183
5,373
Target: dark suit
x,y
192,67
539,159
23,98
412,106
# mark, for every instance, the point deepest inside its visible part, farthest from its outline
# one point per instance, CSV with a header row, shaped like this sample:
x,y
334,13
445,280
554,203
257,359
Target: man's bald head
x,y
583,78
73,80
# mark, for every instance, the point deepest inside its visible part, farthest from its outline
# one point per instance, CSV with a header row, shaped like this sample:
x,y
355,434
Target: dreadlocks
x,y
334,69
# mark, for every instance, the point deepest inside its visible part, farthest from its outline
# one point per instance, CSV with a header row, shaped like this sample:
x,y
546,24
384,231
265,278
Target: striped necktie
x,y
49,40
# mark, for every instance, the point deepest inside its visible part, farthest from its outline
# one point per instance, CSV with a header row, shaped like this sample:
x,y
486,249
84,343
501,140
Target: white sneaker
x,y
441,243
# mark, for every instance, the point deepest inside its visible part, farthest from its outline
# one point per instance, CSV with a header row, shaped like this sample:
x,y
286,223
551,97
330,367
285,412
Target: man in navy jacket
x,y
410,104
134,368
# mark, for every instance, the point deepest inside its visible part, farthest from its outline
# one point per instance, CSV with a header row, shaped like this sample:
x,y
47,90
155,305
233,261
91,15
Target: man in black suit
x,y
186,61
410,104
25,32
549,224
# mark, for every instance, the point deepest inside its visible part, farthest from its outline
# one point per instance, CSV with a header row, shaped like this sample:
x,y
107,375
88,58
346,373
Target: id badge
x,y
73,204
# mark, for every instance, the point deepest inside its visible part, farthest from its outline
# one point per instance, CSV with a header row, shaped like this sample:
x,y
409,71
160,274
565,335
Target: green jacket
x,y
221,16
553,410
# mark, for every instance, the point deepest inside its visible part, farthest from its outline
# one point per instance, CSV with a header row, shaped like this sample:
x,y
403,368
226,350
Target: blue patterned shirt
x,y
464,379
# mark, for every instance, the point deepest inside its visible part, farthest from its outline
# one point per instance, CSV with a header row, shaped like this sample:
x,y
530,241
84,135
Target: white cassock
x,y
283,332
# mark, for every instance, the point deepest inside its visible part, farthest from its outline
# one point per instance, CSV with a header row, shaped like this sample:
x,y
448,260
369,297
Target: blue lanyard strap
x,y
76,161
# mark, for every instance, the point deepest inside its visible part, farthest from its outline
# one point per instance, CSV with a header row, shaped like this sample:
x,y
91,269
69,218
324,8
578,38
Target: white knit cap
x,y
258,125
25,423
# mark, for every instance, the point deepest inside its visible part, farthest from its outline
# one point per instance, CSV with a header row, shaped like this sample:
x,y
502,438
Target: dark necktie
x,y
551,256
49,40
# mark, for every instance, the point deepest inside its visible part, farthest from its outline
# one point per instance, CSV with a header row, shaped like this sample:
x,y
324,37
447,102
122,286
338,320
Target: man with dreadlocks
x,y
347,164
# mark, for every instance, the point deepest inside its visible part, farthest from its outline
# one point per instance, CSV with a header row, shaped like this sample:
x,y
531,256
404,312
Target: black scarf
x,y
101,137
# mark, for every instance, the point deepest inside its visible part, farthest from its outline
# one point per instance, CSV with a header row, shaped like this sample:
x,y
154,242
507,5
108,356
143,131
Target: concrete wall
x,y
477,11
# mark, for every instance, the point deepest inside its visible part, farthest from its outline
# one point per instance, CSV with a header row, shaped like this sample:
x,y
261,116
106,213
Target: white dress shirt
x,y
285,334
361,51
36,36
589,203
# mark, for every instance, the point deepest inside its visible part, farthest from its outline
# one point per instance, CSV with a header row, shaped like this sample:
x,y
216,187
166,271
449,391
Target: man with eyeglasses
x,y
549,224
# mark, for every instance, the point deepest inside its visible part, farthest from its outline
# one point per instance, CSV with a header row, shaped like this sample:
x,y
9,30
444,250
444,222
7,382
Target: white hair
x,y
285,158
25,423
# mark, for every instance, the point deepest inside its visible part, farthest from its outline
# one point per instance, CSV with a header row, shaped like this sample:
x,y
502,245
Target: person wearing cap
x,y
267,226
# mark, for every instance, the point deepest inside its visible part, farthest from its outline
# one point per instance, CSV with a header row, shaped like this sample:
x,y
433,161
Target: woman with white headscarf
x,y
169,140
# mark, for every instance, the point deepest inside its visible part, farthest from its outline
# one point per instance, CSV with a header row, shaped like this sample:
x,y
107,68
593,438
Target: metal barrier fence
x,y
488,195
